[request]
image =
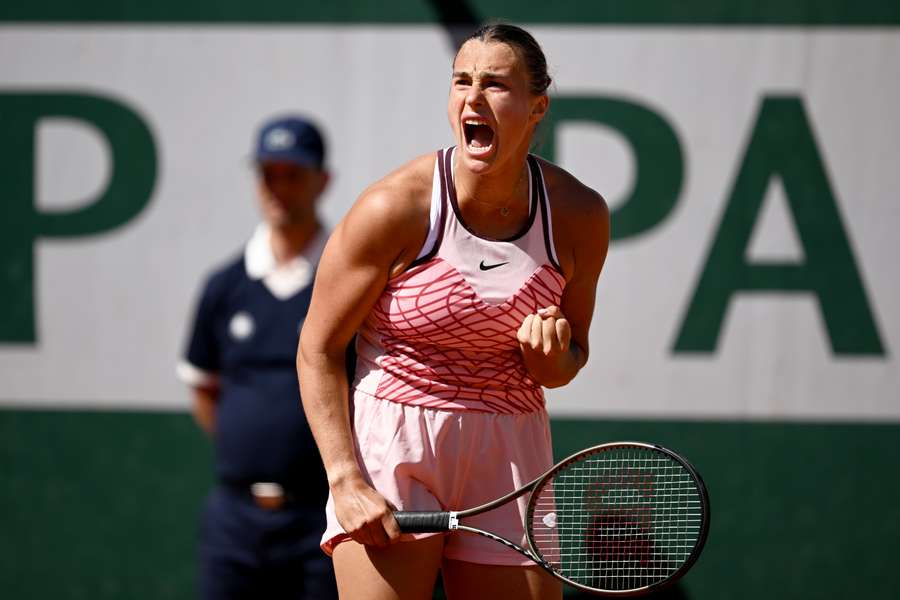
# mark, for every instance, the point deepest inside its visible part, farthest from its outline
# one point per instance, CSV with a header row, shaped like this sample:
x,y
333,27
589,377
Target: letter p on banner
x,y
133,175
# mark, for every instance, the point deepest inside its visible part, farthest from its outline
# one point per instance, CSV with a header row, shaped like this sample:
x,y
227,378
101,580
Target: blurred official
x,y
260,530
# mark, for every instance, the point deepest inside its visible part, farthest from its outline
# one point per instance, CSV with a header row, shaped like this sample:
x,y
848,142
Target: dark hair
x,y
518,39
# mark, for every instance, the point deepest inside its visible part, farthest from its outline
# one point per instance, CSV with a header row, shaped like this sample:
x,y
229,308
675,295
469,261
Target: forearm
x,y
204,409
324,393
555,370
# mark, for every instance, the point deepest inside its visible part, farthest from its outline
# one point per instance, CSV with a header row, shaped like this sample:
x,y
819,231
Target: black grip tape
x,y
422,522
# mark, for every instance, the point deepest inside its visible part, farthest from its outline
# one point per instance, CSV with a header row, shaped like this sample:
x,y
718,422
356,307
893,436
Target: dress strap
x,y
437,212
546,219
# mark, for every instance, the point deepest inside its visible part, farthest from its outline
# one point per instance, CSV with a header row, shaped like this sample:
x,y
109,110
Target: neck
x,y
501,188
290,240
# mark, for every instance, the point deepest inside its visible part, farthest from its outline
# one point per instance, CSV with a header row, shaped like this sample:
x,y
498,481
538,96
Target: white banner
x,y
110,310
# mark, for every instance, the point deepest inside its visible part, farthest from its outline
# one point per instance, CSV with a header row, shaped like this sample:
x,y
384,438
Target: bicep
x,y
347,285
352,274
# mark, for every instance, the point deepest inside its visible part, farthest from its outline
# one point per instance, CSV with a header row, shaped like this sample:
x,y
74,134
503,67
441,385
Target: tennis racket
x,y
619,519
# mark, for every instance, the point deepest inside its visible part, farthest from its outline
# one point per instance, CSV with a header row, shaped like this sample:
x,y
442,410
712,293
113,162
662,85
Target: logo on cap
x,y
279,139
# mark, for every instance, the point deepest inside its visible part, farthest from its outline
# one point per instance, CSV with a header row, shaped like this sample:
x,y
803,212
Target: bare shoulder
x,y
391,216
580,223
570,198
402,194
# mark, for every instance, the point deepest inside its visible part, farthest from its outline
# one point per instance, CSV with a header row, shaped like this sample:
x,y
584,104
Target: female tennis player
x,y
469,275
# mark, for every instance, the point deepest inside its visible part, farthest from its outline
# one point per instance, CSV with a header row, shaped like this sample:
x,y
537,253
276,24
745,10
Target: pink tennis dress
x,y
445,414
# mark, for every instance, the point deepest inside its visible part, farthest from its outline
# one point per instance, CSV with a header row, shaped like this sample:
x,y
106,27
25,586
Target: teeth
x,y
473,150
476,150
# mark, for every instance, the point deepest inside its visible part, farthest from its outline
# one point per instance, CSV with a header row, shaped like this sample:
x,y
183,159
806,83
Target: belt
x,y
269,495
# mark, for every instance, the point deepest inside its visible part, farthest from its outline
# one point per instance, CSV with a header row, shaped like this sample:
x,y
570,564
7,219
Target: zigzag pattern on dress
x,y
447,348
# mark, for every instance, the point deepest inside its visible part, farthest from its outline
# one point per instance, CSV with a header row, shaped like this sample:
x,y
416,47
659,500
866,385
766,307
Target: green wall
x,y
103,505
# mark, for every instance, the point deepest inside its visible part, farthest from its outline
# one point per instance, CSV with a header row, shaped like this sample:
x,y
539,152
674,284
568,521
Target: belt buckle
x,y
268,495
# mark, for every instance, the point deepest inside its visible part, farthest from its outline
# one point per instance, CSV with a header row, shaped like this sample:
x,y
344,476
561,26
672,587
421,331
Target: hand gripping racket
x,y
619,519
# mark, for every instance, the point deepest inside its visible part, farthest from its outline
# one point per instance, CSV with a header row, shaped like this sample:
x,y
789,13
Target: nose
x,y
475,96
276,186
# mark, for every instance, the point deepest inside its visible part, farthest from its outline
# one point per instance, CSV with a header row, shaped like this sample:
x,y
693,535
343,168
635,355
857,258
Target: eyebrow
x,y
488,74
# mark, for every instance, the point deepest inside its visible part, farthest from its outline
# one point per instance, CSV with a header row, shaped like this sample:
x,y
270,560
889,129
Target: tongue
x,y
482,136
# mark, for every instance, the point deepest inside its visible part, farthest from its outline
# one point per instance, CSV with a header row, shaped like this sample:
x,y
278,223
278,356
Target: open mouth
x,y
479,136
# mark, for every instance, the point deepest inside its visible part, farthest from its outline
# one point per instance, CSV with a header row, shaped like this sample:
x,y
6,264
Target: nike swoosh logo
x,y
485,267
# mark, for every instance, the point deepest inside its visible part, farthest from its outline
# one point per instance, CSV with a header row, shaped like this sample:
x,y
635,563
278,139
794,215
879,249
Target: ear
x,y
540,107
324,178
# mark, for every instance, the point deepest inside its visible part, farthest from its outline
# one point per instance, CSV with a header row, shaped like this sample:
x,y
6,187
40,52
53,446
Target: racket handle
x,y
423,521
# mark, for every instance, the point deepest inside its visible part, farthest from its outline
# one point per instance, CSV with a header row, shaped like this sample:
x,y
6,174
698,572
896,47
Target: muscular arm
x,y
353,270
378,237
554,342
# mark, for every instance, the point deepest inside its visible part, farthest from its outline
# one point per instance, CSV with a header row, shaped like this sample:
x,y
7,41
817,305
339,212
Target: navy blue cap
x,y
290,139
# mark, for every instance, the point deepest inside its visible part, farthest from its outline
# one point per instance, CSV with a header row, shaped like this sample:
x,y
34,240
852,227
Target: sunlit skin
x,y
378,239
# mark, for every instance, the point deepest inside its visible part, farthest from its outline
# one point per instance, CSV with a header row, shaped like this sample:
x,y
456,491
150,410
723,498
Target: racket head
x,y
619,519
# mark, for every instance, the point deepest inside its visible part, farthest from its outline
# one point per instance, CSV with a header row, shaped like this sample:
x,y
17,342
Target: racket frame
x,y
536,485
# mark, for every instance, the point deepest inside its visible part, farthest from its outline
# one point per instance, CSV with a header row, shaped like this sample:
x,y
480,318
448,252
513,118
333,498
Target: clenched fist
x,y
546,332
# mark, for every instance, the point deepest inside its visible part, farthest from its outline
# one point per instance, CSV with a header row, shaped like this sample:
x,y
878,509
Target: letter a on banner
x,y
783,145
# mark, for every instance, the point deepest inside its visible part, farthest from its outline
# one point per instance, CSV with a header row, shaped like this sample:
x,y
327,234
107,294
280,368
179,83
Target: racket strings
x,y
617,519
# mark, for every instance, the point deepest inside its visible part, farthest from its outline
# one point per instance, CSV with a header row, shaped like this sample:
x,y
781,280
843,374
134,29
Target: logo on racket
x,y
549,520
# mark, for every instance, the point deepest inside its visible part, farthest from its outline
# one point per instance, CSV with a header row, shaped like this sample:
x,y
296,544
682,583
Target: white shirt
x,y
289,278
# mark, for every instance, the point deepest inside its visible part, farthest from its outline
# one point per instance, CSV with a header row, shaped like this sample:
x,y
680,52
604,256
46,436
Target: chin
x,y
277,219
479,161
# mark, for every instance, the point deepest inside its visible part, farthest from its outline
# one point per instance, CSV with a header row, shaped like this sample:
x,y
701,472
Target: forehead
x,y
476,55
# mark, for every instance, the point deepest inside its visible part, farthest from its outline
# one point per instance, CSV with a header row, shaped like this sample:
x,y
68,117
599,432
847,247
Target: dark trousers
x,y
247,552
